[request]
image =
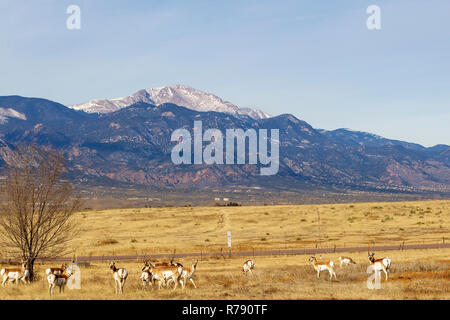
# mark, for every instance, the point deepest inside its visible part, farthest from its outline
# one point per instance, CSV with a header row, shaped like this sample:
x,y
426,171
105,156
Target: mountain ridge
x,y
132,145
178,94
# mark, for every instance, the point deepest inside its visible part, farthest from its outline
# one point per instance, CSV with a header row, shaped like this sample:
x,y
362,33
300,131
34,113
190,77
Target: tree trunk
x,y
30,267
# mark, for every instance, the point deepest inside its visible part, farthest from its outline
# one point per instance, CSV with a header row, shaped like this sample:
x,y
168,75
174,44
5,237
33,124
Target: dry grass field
x,y
195,229
415,274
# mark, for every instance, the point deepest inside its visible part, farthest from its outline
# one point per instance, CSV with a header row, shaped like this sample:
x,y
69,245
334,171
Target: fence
x,y
247,253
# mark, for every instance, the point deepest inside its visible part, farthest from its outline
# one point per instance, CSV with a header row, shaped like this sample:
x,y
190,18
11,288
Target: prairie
x,y
415,274
196,229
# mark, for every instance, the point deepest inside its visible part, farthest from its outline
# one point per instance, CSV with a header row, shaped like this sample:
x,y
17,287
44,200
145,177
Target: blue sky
x,y
314,59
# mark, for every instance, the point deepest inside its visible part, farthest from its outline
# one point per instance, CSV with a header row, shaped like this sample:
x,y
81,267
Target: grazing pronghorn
x,y
322,266
248,267
59,280
56,270
164,274
16,274
346,261
146,276
188,273
382,264
120,276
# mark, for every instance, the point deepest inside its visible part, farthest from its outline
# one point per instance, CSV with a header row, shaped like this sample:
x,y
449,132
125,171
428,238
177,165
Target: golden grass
x,y
415,274
195,229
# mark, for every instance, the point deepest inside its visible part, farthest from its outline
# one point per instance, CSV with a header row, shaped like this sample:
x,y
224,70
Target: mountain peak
x,y
178,94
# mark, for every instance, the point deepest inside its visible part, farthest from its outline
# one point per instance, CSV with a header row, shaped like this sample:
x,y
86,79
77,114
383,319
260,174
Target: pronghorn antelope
x,y
346,261
120,276
382,264
26,276
146,276
56,270
322,266
248,267
16,274
59,280
164,274
188,273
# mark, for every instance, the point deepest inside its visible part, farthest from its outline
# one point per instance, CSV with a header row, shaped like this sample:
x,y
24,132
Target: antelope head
x,y
146,266
112,265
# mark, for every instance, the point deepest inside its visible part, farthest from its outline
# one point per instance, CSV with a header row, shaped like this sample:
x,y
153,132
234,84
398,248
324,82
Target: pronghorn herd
x,y
382,264
167,273
164,273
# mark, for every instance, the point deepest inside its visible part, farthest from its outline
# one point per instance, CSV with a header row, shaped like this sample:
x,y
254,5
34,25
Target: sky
x,y
314,59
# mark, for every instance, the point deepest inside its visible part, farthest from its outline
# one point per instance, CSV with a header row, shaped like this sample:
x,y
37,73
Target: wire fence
x,y
225,253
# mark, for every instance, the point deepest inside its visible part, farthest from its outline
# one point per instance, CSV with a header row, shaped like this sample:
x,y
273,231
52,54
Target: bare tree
x,y
35,217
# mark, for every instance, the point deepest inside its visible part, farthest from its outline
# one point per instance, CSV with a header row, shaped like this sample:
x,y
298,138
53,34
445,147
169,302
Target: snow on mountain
x,y
177,94
6,113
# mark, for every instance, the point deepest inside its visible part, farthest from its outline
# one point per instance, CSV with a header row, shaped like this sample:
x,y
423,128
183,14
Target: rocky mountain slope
x,y
133,145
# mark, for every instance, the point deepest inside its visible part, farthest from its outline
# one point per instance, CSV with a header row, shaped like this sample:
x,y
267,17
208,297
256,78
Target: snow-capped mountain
x,y
177,94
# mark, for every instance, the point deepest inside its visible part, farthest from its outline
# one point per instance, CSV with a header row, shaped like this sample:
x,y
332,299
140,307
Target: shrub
x,y
106,242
